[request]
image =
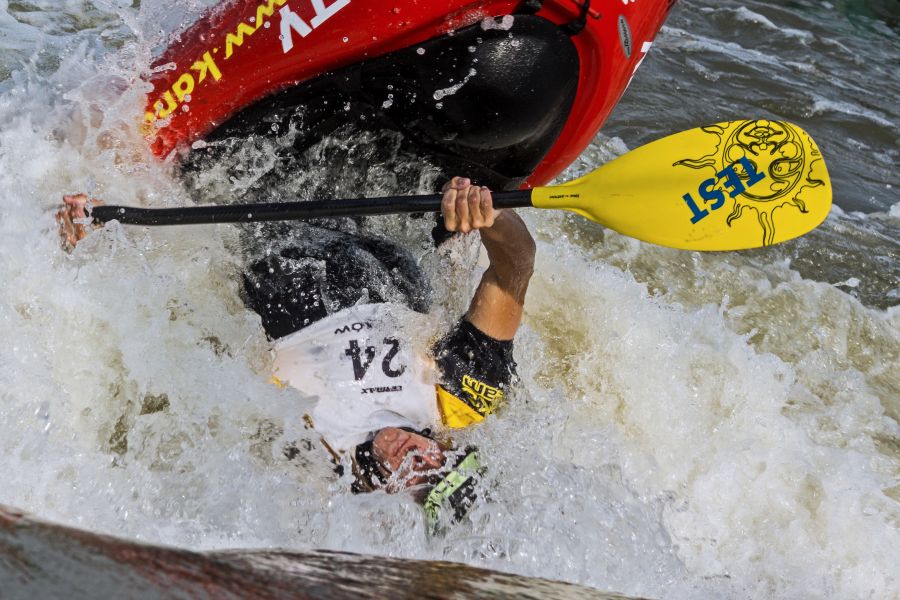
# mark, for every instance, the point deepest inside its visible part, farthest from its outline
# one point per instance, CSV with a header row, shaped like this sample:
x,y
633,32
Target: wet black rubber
x,y
488,102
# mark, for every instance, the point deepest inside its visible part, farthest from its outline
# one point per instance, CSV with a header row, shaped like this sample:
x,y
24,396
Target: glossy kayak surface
x,y
244,51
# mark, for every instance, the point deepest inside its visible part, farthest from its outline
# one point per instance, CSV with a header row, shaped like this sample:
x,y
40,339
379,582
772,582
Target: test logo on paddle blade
x,y
762,165
729,178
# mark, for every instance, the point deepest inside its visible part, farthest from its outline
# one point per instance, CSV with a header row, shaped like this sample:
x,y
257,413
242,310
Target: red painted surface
x,y
235,55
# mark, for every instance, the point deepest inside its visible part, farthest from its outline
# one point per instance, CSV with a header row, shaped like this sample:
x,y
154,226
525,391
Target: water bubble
x,y
504,24
345,39
420,51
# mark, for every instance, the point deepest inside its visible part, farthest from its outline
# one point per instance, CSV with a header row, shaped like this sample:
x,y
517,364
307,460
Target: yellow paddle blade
x,y
729,186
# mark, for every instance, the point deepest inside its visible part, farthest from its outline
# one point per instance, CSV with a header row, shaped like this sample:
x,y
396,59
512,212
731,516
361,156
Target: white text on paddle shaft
x,y
731,180
291,21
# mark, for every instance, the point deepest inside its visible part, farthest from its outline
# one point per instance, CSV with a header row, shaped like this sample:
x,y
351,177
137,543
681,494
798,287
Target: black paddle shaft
x,y
289,211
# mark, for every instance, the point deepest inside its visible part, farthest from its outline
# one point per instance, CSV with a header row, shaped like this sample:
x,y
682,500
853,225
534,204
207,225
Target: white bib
x,y
365,371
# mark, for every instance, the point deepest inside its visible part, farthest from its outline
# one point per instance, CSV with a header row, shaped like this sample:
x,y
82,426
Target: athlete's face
x,y
411,458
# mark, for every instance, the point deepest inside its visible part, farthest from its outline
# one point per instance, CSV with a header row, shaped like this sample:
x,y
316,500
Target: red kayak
x,y
514,89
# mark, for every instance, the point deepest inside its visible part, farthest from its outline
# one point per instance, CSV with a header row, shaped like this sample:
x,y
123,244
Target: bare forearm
x,y
497,305
511,250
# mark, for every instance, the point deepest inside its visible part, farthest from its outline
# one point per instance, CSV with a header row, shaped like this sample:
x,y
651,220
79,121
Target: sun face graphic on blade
x,y
783,153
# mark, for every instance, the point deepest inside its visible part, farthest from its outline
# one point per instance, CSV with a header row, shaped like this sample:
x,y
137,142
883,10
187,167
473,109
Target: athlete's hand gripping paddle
x,y
729,186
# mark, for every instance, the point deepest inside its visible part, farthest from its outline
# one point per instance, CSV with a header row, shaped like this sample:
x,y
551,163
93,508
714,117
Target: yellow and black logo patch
x,y
481,396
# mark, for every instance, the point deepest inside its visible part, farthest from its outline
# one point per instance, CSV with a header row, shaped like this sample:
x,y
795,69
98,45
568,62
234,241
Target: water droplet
x,y
345,39
420,51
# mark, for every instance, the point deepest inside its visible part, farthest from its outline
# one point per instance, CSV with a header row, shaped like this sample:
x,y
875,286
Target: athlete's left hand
x,y
467,207
73,210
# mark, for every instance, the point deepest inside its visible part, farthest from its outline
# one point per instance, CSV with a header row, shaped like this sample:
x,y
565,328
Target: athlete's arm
x,y
496,307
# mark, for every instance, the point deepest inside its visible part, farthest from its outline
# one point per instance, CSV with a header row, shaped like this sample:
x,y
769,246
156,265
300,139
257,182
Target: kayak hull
x,y
243,54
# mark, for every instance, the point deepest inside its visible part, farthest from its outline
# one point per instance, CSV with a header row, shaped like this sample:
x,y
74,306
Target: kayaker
x,y
342,311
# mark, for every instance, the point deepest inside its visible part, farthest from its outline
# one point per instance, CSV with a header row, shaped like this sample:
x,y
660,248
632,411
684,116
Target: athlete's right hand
x,y
467,207
73,208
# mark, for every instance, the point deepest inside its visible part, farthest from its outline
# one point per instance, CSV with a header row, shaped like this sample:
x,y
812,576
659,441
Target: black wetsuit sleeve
x,y
474,368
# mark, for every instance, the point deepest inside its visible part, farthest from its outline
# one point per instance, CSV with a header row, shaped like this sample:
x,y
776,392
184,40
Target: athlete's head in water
x,y
395,459
409,457
441,479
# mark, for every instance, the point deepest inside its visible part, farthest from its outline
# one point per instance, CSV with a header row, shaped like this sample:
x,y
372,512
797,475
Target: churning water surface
x,y
689,425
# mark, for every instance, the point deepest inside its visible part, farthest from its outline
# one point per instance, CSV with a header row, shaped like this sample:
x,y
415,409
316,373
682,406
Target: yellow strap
x,y
454,412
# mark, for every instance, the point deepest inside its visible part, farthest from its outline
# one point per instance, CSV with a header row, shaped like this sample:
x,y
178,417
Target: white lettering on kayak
x,y
645,48
323,13
291,21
